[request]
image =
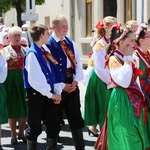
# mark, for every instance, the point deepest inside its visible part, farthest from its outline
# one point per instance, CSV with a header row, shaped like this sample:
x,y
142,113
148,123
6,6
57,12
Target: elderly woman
x,y
17,111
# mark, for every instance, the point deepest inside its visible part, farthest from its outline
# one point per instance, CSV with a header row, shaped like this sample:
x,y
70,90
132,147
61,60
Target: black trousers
x,y
71,105
41,109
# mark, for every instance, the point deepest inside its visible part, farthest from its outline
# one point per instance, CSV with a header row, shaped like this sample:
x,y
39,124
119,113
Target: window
x,y
128,10
88,18
47,21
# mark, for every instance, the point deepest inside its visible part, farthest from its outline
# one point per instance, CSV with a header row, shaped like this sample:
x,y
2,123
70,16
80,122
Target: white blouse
x,y
3,69
123,75
99,62
37,79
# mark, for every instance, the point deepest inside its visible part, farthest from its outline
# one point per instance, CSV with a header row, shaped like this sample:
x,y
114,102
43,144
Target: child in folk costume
x,y
4,39
3,107
66,53
43,83
97,92
3,70
143,42
125,111
132,24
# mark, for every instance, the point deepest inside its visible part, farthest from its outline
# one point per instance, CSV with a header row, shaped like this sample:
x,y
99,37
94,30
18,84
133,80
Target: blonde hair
x,y
14,29
57,18
131,22
107,21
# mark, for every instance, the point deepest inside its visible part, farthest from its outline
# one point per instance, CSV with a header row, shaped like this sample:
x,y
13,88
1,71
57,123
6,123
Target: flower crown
x,y
129,27
140,28
124,33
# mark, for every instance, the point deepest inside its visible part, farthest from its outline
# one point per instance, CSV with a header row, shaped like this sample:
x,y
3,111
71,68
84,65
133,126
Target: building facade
x,y
82,17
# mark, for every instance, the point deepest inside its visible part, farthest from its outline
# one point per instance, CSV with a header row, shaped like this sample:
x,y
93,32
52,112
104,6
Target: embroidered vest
x,y
59,54
16,57
52,76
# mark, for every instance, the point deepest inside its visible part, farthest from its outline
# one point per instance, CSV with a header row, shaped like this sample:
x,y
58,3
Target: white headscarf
x,y
2,35
5,29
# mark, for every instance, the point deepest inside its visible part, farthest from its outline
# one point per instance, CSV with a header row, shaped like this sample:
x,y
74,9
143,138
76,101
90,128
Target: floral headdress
x,y
129,26
99,25
140,28
124,33
117,26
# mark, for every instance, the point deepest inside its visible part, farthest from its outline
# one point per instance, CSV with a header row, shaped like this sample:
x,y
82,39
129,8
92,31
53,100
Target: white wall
x,y
147,10
120,11
10,17
75,12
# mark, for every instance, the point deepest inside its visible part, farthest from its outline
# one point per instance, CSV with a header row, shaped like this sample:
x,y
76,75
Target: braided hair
x,y
117,35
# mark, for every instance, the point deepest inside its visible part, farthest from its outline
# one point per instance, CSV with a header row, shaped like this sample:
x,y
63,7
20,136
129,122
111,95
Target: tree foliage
x,y
19,5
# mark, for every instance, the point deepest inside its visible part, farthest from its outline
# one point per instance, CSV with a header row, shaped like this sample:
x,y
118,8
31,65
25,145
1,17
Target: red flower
x,y
137,72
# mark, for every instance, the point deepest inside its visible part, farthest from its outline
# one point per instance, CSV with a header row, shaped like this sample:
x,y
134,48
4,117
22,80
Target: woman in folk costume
x,y
143,42
16,105
125,111
99,84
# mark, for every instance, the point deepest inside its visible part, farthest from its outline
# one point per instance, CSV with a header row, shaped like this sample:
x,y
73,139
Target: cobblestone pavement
x,y
66,141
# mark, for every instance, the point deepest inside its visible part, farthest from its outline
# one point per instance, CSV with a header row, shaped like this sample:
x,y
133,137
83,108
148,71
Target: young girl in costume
x,y
3,107
4,40
143,42
132,24
125,129
99,84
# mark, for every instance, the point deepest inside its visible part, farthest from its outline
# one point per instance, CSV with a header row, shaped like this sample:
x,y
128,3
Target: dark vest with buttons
x,y
52,76
59,54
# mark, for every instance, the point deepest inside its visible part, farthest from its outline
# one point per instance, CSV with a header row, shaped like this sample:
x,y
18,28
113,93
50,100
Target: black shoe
x,y
62,122
51,144
1,147
24,140
14,141
58,138
90,132
31,145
